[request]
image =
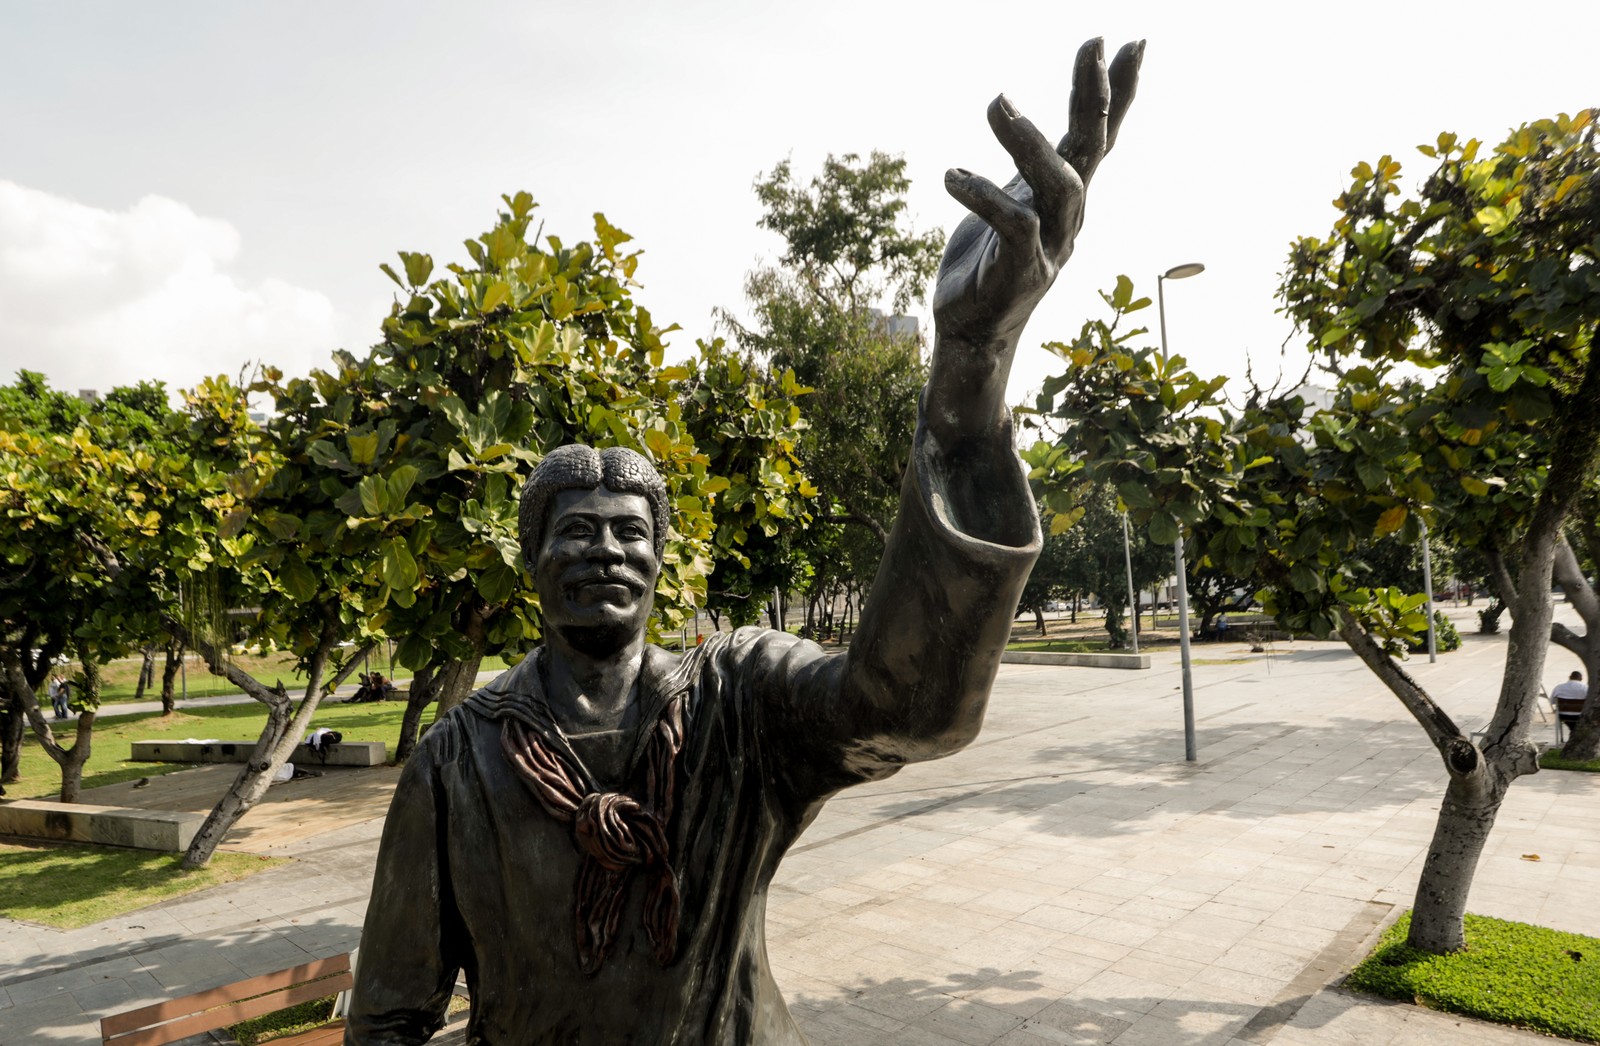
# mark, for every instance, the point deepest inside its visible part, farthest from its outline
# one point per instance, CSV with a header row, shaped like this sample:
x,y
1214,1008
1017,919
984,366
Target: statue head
x,y
592,527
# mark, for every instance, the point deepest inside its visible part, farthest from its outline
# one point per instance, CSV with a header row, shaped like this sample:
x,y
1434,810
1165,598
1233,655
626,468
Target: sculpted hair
x,y
580,467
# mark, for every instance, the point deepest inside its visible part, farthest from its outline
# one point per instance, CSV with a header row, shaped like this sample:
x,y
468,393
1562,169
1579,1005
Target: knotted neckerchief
x,y
614,831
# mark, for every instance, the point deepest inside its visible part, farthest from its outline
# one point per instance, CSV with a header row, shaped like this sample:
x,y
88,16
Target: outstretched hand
x,y
1006,253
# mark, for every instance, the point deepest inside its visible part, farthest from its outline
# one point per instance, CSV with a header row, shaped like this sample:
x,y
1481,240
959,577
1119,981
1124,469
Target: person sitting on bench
x,y
1568,699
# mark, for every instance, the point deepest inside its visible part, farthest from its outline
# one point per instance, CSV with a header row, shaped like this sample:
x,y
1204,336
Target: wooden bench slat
x,y
327,1035
197,1004
223,1016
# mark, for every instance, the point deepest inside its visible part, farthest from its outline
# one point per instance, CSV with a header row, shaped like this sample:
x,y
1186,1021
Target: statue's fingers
x,y
1014,222
1055,187
1037,161
1085,143
1124,79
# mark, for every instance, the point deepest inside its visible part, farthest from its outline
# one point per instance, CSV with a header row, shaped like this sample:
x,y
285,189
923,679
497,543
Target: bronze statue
x,y
591,836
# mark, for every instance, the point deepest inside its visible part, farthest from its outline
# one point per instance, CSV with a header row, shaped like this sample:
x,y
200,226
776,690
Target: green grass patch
x,y
68,885
1058,646
108,759
1552,759
1510,973
295,1019
301,1018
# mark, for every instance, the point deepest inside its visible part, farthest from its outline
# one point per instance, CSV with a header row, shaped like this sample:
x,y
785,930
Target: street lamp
x,y
1133,606
1180,272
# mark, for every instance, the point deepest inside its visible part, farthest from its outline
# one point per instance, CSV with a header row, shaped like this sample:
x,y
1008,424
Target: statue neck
x,y
589,691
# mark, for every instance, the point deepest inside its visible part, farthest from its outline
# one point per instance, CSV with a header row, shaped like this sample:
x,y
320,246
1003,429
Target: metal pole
x,y
1183,653
1183,581
1427,589
1127,559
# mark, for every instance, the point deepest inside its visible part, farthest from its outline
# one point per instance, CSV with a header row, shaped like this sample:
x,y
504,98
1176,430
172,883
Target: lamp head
x,y
1184,271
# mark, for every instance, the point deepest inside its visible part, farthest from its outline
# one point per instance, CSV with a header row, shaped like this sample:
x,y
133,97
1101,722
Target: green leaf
x,y
418,267
1391,520
1163,529
398,568
399,485
362,447
496,295
372,490
297,579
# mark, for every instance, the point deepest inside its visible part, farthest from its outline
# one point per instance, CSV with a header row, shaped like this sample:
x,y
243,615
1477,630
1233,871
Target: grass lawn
x,y
108,759
304,1017
1551,759
119,679
67,885
1511,973
1059,646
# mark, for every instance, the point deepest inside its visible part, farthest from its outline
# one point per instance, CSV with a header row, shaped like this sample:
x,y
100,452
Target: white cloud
x,y
96,298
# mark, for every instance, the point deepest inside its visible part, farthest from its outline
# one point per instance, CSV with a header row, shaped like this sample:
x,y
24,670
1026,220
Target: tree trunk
x,y
248,788
78,755
1038,617
418,699
147,671
12,727
279,736
1116,633
1584,740
75,758
455,682
456,678
170,673
1466,817
69,760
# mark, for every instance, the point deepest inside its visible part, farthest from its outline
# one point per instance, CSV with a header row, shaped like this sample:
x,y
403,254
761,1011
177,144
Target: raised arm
x,y
915,683
1005,254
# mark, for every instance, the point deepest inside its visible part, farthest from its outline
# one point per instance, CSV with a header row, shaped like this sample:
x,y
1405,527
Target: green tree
x,y
529,345
746,419
1487,281
849,254
80,477
69,500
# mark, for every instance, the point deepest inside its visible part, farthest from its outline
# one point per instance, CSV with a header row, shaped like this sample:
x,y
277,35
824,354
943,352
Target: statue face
x,y
596,571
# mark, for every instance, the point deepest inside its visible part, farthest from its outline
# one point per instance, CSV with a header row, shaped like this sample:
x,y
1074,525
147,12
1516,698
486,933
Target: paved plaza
x,y
1066,879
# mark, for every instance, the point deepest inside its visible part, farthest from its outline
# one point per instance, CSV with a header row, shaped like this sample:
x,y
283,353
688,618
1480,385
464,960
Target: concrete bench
x,y
345,753
169,830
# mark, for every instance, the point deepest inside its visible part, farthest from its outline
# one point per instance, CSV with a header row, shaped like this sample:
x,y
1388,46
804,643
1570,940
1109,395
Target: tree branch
x,y
1505,589
1439,727
1568,574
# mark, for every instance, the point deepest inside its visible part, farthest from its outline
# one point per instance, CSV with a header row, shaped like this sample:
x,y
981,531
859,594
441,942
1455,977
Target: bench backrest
x,y
175,1019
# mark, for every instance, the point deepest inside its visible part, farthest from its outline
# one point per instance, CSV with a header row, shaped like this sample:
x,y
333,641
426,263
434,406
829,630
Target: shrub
x,y
1445,635
1511,973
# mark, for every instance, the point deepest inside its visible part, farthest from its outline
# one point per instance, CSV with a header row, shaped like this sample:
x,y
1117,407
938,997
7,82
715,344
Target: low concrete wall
x,y
1041,657
345,753
169,830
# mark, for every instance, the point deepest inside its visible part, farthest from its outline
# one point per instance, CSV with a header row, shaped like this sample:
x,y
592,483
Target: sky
x,y
190,187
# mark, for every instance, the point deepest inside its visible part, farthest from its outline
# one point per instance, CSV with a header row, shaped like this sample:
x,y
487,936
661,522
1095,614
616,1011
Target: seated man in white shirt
x,y
1575,690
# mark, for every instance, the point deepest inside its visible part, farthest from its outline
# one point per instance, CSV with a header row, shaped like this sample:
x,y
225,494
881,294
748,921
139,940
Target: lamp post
x,y
1427,588
1180,272
1127,561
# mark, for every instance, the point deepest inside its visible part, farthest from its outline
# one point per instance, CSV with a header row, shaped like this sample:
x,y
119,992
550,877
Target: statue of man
x,y
591,836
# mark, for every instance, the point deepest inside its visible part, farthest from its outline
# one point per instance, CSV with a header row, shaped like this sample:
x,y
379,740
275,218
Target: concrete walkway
x,y
1067,879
